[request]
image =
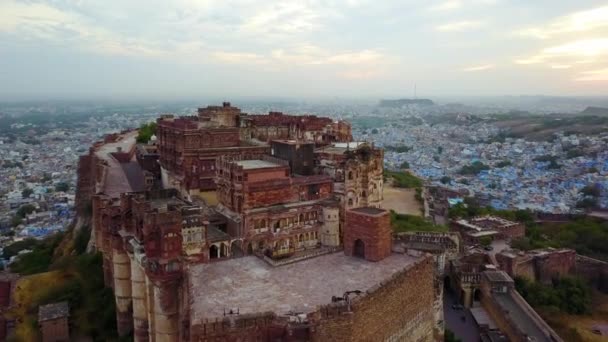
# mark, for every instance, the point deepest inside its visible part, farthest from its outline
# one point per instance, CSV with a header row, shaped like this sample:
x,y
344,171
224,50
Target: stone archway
x,y
235,249
213,252
359,249
476,297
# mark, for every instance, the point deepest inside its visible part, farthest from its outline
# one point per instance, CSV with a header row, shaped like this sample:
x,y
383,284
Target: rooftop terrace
x,y
256,164
250,285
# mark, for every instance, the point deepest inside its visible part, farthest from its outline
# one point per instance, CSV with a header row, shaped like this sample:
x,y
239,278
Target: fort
x,y
228,226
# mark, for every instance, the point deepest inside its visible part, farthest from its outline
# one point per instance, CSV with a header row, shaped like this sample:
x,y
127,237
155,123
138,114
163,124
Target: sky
x,y
353,48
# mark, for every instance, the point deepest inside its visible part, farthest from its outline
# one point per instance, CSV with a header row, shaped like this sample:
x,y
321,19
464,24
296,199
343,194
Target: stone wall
x,y
401,309
594,271
85,185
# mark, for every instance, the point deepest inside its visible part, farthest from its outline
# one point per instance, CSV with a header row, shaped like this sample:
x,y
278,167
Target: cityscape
x,y
304,171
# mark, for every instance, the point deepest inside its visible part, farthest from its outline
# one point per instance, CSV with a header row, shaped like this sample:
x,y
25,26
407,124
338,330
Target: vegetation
x,y
585,235
62,187
7,164
545,158
16,247
146,131
445,180
40,259
552,160
503,163
82,239
404,166
411,223
485,241
403,179
25,210
400,149
591,190
473,169
27,192
448,336
76,277
568,294
574,153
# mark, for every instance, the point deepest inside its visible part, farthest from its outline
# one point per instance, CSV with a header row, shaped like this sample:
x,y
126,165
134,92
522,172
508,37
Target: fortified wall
x,y
392,310
165,244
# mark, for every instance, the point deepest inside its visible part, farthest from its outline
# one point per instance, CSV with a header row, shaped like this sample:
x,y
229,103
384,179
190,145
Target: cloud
x,y
588,49
594,75
239,57
561,66
459,26
447,5
479,68
578,22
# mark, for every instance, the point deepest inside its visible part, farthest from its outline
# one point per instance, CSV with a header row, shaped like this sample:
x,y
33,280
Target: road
x,y
466,331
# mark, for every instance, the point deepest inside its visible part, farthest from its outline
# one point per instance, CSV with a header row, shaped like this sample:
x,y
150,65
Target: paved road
x,y
466,331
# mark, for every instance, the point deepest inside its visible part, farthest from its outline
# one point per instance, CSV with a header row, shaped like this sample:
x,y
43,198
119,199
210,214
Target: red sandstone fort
x,y
236,227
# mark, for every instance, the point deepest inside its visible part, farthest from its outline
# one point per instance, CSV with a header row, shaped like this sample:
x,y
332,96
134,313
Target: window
x,y
350,175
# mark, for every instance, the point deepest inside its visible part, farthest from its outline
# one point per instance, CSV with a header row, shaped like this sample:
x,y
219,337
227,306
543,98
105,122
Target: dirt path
x,y
402,201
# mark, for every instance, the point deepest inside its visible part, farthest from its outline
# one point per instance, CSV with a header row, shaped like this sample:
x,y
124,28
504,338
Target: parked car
x,y
457,307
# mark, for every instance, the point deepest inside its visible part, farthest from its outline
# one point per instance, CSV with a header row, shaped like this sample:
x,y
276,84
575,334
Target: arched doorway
x,y
359,249
476,297
447,285
235,249
249,248
213,252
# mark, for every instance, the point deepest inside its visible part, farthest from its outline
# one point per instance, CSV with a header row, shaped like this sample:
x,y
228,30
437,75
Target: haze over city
x,y
356,48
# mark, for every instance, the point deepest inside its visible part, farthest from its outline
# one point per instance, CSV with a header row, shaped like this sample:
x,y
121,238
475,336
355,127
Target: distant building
x,y
473,230
53,322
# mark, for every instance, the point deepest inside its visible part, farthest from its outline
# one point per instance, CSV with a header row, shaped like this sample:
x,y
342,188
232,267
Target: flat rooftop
x,y
251,285
256,164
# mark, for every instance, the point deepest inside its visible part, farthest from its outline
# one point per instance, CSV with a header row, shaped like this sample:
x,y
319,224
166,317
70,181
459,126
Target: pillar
x,y
122,290
140,307
166,315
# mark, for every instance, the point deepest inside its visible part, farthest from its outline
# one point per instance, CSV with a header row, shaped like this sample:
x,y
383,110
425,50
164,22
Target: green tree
x,y
62,187
439,149
404,165
374,131
16,220
591,190
474,168
448,336
25,210
146,131
503,163
27,192
445,180
485,241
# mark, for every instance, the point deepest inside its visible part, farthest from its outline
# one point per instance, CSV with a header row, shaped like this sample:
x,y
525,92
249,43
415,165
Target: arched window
x,y
363,194
350,175
301,218
350,202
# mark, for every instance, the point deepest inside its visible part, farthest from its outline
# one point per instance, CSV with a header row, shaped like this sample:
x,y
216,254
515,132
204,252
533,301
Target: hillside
x,y
595,111
401,102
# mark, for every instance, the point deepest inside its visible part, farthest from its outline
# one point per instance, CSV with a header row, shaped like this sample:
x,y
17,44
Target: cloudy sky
x,y
352,48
